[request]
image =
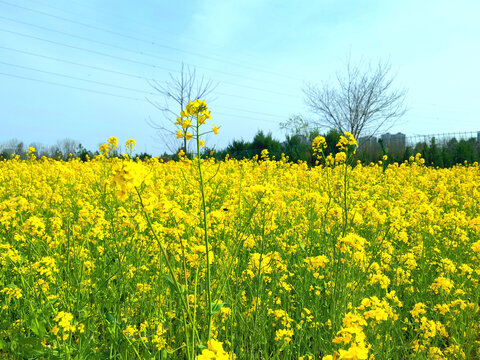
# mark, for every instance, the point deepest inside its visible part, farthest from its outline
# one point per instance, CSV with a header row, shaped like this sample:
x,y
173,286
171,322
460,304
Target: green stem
x,y
345,205
167,261
133,347
194,322
204,211
187,342
260,282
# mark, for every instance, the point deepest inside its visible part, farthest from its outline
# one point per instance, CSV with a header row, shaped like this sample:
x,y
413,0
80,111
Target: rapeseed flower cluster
x,y
318,145
196,111
215,351
126,176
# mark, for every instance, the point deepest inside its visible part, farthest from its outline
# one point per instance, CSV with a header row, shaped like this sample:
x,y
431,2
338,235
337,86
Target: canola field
x,y
341,262
116,258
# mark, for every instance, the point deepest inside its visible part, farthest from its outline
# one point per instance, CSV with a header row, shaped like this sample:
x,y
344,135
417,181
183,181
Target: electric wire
x,y
137,39
79,78
136,52
131,60
135,76
118,86
71,87
131,97
145,25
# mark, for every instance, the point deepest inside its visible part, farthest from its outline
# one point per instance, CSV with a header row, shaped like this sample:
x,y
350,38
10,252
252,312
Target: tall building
x,y
395,142
367,141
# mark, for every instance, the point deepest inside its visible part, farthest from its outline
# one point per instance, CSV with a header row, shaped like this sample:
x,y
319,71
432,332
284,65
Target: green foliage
x,y
332,138
453,152
435,154
239,149
144,156
297,148
262,141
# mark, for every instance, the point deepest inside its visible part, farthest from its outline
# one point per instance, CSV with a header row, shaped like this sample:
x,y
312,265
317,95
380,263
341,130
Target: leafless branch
x,y
177,92
363,101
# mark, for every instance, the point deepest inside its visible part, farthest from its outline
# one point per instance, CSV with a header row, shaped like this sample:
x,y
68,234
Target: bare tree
x,y
13,146
177,92
363,101
68,146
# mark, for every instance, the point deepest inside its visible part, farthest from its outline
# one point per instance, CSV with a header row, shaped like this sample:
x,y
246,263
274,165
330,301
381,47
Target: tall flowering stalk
x,y
319,145
348,146
129,175
130,147
194,116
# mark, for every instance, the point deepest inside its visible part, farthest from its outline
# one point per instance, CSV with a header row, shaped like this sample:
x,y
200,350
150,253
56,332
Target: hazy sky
x,y
79,69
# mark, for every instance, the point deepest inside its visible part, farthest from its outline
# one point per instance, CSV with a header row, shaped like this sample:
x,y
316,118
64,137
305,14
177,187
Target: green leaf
x,y
108,316
171,283
163,354
37,327
215,307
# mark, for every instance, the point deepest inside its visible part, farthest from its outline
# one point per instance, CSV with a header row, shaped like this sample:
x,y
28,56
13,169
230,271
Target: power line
x,y
129,60
113,85
74,63
51,58
132,98
252,112
246,117
71,87
137,52
88,50
450,107
117,86
116,33
78,78
203,41
139,39
146,79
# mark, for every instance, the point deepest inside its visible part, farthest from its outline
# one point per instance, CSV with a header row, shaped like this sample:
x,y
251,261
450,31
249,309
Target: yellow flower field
x,y
115,258
82,275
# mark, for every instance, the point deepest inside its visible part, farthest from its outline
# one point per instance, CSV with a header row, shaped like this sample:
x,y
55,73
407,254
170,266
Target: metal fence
x,y
398,142
442,139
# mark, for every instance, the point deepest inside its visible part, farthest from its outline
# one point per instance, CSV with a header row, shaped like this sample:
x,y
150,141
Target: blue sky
x,y
90,62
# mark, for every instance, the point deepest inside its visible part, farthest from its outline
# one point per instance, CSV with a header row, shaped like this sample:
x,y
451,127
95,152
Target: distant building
x,y
390,138
368,147
396,143
478,135
367,141
398,139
